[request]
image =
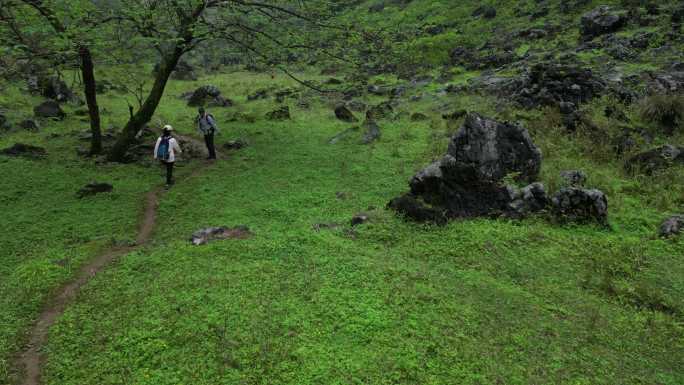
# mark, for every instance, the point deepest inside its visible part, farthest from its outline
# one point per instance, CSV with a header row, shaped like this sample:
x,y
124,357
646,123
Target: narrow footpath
x,y
30,361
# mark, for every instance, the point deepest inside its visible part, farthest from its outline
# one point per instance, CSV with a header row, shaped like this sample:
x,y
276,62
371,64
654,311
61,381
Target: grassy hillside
x,y
478,301
309,299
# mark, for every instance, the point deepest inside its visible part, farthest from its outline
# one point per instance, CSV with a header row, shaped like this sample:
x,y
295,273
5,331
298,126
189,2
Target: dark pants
x,y
209,141
169,172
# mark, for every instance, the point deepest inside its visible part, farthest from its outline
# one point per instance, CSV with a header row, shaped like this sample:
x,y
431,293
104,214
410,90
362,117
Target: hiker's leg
x,y
169,173
212,150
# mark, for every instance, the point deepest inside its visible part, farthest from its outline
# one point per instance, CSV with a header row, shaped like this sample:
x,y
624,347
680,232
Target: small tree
x,y
263,28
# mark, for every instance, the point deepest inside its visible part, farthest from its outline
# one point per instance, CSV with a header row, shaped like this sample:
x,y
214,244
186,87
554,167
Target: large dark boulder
x,y
469,180
342,113
49,109
656,159
493,149
208,95
600,21
672,226
24,150
576,205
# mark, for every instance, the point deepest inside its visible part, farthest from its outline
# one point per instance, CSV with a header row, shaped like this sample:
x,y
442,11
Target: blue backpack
x,y
164,150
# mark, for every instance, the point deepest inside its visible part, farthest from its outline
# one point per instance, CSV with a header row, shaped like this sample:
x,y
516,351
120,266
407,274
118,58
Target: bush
x,y
666,110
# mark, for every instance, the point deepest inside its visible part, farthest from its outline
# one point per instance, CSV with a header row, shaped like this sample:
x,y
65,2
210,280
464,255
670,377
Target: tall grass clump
x,y
666,110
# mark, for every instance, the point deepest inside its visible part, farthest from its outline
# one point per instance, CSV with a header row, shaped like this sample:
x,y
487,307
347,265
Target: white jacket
x,y
173,147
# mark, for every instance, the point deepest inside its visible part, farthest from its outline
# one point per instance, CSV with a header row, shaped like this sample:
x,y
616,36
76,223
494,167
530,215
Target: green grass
x,y
474,302
479,301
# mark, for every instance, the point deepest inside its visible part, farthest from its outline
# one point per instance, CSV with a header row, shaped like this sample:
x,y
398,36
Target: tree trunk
x,y
145,113
88,75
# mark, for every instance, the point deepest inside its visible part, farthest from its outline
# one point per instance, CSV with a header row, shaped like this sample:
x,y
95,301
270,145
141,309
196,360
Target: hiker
x,y
165,150
207,127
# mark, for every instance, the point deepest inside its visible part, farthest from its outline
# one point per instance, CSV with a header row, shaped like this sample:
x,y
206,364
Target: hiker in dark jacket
x,y
165,150
207,127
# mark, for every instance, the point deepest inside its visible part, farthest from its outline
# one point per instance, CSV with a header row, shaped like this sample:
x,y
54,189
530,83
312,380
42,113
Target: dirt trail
x,y
31,359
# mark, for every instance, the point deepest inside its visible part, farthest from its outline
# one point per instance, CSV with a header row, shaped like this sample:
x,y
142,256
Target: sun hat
x,y
168,128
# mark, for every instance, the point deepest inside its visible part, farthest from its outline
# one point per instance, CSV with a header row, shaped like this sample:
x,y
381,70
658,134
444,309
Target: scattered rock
x,y
455,115
372,132
600,21
208,95
29,124
672,226
235,144
282,113
258,94
49,109
24,150
419,117
359,219
527,200
356,105
204,236
342,113
467,181
656,159
326,226
576,205
573,178
50,87
94,188
381,111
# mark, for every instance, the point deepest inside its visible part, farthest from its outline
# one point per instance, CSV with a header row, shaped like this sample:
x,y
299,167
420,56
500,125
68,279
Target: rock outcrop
x,y
468,180
600,21
210,96
576,205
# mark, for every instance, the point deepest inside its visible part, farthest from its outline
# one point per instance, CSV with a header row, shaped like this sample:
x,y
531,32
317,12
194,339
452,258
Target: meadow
x,y
309,299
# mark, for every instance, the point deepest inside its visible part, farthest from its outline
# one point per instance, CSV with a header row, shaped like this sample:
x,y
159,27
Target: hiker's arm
x,y
176,147
198,124
156,147
212,122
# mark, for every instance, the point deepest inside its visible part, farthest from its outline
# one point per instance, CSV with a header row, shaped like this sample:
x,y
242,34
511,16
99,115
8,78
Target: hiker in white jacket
x,y
165,150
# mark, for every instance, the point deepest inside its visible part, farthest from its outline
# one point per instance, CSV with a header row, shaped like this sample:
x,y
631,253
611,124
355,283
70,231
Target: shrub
x,y
666,110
